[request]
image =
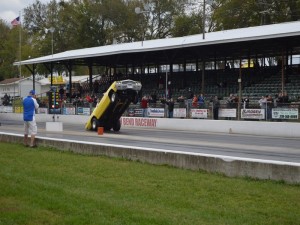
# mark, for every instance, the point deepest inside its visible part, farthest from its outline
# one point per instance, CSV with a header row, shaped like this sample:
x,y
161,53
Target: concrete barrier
x,y
229,166
275,129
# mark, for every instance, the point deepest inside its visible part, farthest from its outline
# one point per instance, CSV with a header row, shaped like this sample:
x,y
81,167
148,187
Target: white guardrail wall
x,y
276,129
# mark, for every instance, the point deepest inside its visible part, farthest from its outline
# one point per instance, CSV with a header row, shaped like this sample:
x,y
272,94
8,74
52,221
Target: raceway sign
x,y
138,122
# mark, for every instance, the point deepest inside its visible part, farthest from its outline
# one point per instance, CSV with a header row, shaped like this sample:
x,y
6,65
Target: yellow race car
x,y
113,104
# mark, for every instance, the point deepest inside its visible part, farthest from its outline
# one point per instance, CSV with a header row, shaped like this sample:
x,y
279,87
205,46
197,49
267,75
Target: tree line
x,y
88,23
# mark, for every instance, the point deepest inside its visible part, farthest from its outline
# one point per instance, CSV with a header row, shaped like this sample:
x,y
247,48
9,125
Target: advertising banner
x,y
6,109
199,113
42,110
179,113
253,114
227,113
69,111
83,111
156,112
285,113
138,112
131,112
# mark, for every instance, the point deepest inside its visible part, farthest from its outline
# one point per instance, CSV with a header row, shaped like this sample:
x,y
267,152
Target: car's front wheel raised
x,y
95,123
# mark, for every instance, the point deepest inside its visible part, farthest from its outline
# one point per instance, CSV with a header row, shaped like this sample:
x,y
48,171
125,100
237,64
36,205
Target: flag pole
x,y
20,45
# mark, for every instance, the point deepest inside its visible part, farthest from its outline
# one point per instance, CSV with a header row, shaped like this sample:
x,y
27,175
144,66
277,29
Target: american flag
x,y
16,21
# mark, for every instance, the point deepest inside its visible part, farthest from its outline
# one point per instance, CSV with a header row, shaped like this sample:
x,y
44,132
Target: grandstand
x,y
255,83
148,63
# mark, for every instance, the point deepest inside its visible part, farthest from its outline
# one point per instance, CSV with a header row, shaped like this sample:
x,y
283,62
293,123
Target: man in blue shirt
x,y
29,106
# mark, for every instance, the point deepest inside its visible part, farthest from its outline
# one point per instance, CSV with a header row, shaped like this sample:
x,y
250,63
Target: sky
x,y
10,9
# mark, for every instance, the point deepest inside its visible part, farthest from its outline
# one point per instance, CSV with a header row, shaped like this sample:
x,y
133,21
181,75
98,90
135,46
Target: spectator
x,y
246,102
89,99
160,83
190,94
232,101
144,105
285,97
263,104
29,106
80,91
189,97
201,101
154,99
279,100
68,91
170,104
96,87
269,106
6,100
216,106
181,100
275,101
61,92
195,101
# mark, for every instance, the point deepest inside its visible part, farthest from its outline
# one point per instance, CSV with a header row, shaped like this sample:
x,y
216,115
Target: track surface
x,y
245,146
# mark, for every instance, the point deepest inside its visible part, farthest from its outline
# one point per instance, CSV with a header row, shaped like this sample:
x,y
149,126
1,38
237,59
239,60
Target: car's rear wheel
x,y
117,125
95,123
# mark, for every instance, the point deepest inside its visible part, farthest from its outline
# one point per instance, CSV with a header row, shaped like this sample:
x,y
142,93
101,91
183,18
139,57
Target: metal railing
x,y
185,110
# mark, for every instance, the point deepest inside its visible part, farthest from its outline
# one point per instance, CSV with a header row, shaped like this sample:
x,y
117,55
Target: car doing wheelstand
x,y
113,104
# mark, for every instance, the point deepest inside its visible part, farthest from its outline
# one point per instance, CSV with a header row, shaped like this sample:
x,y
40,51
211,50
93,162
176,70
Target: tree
x,y
233,14
160,19
10,54
187,25
5,56
89,23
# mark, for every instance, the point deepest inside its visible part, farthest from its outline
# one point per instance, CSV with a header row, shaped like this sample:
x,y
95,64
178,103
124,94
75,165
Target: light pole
x,y
203,28
203,37
138,10
209,2
51,29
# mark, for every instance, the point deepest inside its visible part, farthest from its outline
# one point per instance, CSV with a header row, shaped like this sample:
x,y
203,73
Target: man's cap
x,y
32,92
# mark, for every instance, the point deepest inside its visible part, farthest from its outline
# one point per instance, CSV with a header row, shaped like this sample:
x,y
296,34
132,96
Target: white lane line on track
x,y
222,157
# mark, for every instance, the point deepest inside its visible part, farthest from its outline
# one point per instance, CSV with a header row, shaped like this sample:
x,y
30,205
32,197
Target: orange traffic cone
x,y
100,130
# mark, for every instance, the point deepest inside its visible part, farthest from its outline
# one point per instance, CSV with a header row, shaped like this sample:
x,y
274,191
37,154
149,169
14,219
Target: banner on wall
x,y
131,112
156,112
285,113
227,113
253,114
69,111
138,112
179,113
83,111
199,113
6,109
135,112
42,110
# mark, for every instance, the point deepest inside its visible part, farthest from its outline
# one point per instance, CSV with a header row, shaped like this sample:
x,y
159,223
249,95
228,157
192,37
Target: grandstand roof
x,y
236,43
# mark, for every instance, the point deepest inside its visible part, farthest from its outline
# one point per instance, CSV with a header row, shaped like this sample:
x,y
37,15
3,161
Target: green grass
x,y
44,186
